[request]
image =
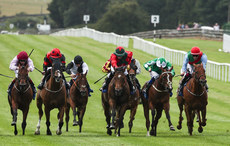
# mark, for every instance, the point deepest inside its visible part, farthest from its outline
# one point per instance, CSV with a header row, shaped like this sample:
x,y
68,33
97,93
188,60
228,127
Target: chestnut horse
x,y
158,100
116,100
195,99
53,95
21,97
78,98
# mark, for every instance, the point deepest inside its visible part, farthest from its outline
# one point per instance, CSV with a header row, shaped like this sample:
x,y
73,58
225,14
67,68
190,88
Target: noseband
x,y
169,83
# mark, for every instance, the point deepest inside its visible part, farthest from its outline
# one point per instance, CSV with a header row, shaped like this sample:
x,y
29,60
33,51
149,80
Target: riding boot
x,y
40,86
138,85
132,88
71,83
182,83
146,89
11,86
106,84
89,89
33,88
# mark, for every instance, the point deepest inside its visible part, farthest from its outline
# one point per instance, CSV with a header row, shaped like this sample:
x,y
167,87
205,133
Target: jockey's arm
x,y
169,65
13,64
137,63
69,66
85,68
31,65
184,66
204,60
148,65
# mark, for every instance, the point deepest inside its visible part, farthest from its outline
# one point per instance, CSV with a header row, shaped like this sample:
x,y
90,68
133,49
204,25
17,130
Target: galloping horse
x,y
195,99
158,100
21,97
78,98
135,98
53,95
116,100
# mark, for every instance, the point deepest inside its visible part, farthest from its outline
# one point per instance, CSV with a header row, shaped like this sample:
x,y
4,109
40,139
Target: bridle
x,y
169,83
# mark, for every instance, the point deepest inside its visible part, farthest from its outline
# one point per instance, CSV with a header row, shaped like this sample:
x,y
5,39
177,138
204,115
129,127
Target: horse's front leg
x,y
47,113
180,105
25,113
189,115
113,115
40,112
121,117
166,109
67,109
200,129
60,120
15,113
146,114
80,118
107,115
203,113
132,117
153,130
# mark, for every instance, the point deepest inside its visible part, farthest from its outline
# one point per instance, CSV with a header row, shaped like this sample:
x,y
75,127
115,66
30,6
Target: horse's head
x,y
22,76
81,83
119,80
166,79
132,70
199,74
56,69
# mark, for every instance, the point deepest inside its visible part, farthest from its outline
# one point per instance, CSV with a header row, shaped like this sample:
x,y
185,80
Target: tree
x,y
124,18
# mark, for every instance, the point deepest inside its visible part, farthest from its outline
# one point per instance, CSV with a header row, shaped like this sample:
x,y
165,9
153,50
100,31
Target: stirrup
x,y
104,91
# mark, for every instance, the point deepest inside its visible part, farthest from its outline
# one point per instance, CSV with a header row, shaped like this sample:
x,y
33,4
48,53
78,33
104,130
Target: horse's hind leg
x,y
132,117
153,130
166,109
60,123
25,113
158,116
40,112
146,113
107,116
14,110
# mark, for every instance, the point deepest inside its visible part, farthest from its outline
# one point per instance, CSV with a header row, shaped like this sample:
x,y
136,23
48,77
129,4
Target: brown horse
x,y
135,98
116,100
21,97
195,99
78,98
53,95
158,100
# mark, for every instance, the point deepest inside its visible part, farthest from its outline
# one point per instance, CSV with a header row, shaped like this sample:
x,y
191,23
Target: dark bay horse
x,y
116,100
21,97
78,99
195,99
158,100
53,95
135,98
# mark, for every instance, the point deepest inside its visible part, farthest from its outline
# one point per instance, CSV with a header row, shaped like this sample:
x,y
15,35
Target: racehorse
x,y
78,98
116,100
158,100
53,95
21,97
135,98
195,99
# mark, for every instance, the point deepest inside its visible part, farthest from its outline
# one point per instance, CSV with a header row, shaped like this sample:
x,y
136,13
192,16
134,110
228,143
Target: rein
x,y
194,93
19,90
159,90
167,83
53,90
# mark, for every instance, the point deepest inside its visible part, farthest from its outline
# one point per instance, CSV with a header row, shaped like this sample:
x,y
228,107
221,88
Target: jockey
x,y
138,71
55,53
119,58
193,56
154,68
23,59
78,66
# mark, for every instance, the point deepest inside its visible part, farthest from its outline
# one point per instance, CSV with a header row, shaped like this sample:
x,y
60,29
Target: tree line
x,y
128,16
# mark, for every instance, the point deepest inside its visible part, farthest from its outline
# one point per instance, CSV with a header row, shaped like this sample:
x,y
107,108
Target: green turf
x,y
95,55
209,47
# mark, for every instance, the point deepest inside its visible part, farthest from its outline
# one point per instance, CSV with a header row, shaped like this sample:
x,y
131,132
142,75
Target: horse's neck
x,y
158,84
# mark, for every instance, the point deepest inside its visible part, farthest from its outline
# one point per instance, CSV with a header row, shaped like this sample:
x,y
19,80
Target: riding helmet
x,y
195,51
161,62
55,53
78,59
120,51
22,56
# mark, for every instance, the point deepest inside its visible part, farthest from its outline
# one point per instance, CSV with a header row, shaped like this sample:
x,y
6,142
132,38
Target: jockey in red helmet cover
x,y
54,53
23,59
118,59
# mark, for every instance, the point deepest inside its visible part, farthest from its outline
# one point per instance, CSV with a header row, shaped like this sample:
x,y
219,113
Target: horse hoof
x,y
153,133
118,135
75,123
200,129
13,123
109,132
172,128
15,132
107,126
58,132
112,127
37,133
179,127
48,133
203,124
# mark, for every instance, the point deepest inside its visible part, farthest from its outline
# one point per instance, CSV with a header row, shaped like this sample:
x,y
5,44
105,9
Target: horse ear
x,y
162,69
171,68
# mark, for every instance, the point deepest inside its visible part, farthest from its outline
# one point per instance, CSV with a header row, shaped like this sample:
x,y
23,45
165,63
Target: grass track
x,y
94,132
